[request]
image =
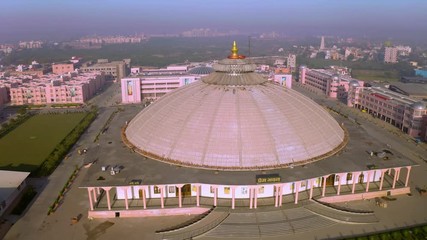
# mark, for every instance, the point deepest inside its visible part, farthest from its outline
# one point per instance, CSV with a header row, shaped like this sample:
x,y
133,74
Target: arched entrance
x,y
330,180
361,178
186,190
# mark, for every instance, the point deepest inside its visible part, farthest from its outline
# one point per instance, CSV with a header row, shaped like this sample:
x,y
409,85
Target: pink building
x,y
3,95
71,88
326,81
151,88
283,79
390,55
399,110
61,68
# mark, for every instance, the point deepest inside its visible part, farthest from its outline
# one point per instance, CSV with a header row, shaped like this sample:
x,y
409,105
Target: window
x,y
226,190
212,190
244,190
156,190
261,190
349,176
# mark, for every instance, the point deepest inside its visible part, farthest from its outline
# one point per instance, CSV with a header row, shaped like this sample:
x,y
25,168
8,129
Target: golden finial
x,y
234,52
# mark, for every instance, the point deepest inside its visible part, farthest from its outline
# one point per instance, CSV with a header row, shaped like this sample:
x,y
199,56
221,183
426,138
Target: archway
x,y
330,180
186,190
361,178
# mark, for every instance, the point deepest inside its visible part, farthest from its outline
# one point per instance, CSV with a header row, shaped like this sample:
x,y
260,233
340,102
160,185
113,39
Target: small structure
x,y
12,183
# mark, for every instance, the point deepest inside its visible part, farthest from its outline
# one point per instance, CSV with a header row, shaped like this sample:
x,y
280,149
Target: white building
x,y
12,183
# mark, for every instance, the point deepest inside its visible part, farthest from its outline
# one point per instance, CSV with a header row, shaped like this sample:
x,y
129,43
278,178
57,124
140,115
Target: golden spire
x,y
234,52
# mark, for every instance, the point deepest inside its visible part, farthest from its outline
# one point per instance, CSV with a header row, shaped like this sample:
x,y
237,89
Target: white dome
x,y
248,124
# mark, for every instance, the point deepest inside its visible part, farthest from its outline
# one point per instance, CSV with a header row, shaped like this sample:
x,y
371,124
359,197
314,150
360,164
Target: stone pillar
x,y
297,191
126,198
311,188
339,184
394,178
95,197
90,198
179,195
98,191
256,197
107,192
144,194
162,198
324,186
382,179
250,198
355,179
233,196
368,181
407,176
398,174
276,196
215,195
280,195
198,195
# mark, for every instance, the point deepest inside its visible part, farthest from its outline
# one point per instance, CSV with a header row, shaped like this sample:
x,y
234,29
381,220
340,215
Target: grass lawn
x,y
27,146
381,75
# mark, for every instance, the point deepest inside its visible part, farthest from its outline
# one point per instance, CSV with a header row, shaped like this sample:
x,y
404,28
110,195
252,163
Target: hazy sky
x,y
61,19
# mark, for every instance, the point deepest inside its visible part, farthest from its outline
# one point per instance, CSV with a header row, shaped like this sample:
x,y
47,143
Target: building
x,y
322,43
12,184
30,44
412,90
233,137
421,73
60,68
53,89
397,109
403,50
112,70
283,79
390,55
155,83
291,61
327,81
4,96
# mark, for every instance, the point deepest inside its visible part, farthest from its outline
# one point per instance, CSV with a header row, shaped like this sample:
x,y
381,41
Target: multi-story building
x,y
155,83
326,81
71,88
397,109
4,98
291,61
390,55
113,69
60,68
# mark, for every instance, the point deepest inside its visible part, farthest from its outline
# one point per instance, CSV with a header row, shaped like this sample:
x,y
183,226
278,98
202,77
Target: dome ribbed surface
x,y
248,124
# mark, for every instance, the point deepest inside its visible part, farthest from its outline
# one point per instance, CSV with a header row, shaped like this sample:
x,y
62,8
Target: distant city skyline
x,y
59,20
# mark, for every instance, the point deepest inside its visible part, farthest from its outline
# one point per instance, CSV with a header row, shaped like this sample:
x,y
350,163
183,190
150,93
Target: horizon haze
x,y
64,20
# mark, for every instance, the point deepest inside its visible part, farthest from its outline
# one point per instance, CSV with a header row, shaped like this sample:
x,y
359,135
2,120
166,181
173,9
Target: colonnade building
x,y
235,139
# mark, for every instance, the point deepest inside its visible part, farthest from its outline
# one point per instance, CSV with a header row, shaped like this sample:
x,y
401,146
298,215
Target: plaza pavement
x,y
35,224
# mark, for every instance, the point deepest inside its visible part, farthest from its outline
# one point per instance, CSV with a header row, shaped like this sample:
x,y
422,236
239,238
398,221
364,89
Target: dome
x,y
418,105
201,70
335,78
354,83
234,119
